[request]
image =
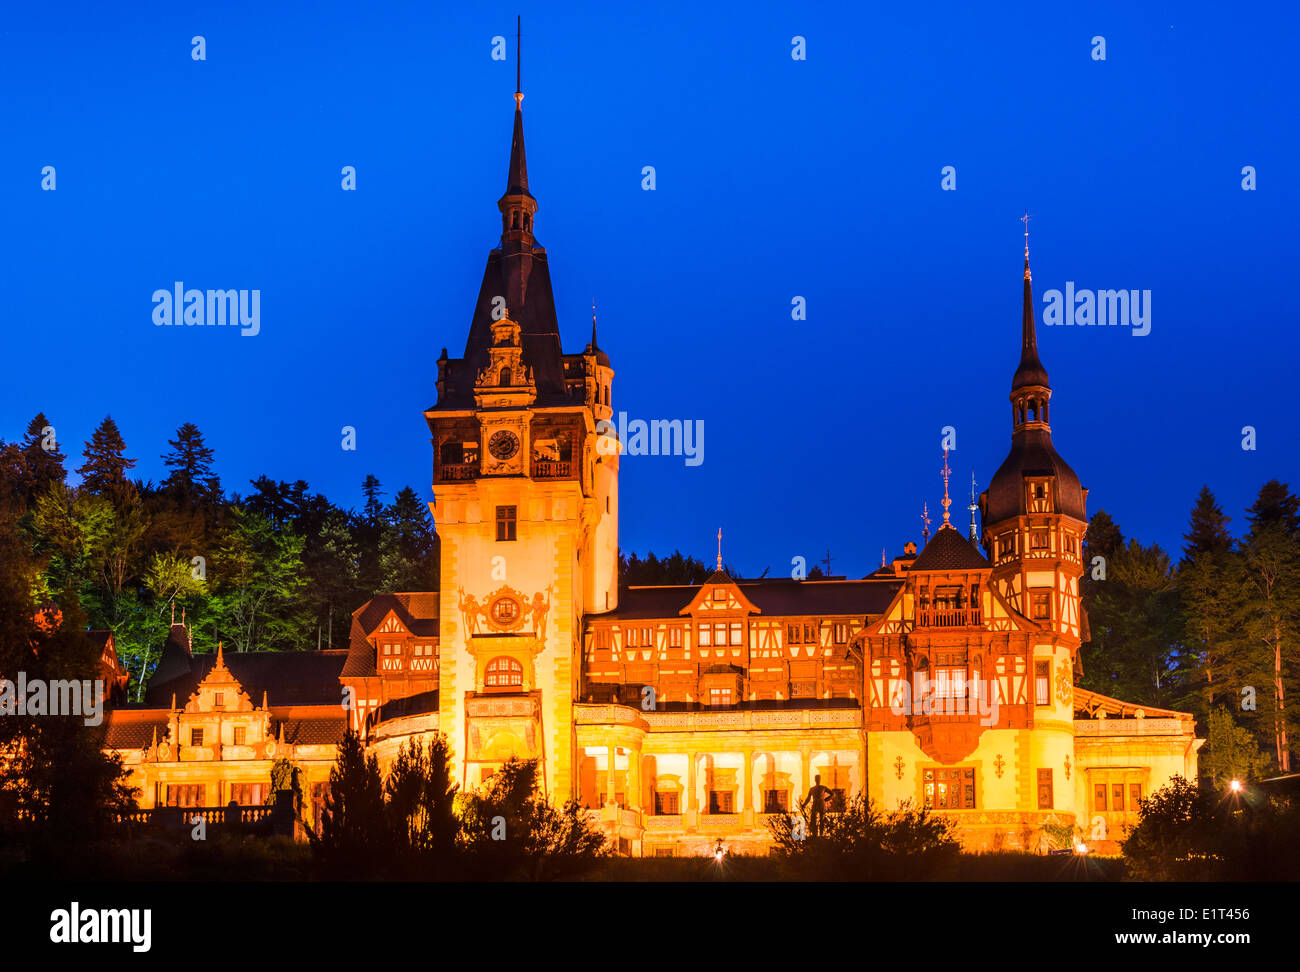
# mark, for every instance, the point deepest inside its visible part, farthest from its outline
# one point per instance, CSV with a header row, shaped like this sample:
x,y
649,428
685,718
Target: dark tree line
x,y
280,568
1216,633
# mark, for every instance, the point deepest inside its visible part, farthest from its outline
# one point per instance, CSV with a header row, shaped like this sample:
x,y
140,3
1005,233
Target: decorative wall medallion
x,y
1064,685
503,444
898,767
999,765
505,611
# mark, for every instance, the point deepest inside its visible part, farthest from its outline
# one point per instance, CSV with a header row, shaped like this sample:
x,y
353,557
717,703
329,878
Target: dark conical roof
x,y
949,550
1031,370
517,177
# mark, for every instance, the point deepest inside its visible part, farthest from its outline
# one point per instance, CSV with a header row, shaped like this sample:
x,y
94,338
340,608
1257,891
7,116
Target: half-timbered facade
x,y
682,715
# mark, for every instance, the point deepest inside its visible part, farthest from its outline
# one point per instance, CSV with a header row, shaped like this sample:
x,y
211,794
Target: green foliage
x,y
864,844
1230,752
353,832
1191,833
632,570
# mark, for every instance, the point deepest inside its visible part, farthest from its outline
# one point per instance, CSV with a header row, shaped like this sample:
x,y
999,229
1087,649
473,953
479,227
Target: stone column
x,y
609,776
748,808
805,758
692,796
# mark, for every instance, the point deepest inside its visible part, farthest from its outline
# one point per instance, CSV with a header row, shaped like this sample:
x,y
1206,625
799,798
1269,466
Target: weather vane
x,y
719,548
925,523
1025,219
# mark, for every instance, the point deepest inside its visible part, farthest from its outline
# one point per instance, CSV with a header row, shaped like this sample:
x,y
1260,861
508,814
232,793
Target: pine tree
x,y
410,546
1270,612
1209,587
190,462
105,469
353,832
42,458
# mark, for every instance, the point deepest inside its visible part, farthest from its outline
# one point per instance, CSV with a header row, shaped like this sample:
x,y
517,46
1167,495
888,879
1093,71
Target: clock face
x,y
503,445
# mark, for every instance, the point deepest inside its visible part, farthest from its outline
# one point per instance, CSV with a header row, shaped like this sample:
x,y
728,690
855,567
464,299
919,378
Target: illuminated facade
x,y
681,715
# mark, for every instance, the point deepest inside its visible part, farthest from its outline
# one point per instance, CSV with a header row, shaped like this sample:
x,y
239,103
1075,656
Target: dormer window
x,y
719,594
219,699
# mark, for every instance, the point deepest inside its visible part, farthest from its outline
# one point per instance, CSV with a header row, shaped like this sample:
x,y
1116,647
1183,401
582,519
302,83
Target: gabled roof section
x,y
949,550
287,677
707,601
417,612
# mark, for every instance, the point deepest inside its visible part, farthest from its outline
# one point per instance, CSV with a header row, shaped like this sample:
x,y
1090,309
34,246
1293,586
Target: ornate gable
x,y
718,596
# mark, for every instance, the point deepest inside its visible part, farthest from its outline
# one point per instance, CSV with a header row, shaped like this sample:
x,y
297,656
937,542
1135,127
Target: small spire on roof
x,y
719,548
593,323
974,505
519,88
946,472
221,663
1025,219
925,523
882,556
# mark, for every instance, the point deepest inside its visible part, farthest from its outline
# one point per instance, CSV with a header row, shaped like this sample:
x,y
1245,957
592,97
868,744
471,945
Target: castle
x,y
680,716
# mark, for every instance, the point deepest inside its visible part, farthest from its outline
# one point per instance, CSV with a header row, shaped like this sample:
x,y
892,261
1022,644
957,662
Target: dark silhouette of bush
x,y
863,844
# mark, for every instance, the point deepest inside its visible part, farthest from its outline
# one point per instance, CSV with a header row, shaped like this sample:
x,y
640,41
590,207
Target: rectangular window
x,y
721,801
841,632
1038,540
666,804
1042,683
506,522
1135,796
1099,795
633,637
737,633
810,632
776,801
674,637
950,789
706,636
196,737
719,696
1117,796
803,690
219,699
246,794
239,735
719,593
1040,605
1044,789
190,795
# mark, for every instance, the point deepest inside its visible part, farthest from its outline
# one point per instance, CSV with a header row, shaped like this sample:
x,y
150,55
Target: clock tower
x,y
526,507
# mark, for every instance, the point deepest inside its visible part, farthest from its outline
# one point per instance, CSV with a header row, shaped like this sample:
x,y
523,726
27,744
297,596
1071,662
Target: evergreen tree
x,y
105,469
353,837
410,546
42,458
192,478
1209,587
1270,610
1230,752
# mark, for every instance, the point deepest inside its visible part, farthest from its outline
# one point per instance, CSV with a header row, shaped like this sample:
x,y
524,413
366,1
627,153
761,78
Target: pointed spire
x,y
1031,370
925,523
946,472
719,548
517,178
594,345
974,505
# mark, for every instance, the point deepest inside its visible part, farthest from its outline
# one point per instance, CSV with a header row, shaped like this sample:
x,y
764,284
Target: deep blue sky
x,y
776,178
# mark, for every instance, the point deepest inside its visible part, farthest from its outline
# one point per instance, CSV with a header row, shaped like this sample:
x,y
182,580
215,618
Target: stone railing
x,y
1131,727
754,719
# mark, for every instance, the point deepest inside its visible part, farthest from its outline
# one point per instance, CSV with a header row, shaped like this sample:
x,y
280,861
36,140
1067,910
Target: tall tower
x,y
526,506
1034,514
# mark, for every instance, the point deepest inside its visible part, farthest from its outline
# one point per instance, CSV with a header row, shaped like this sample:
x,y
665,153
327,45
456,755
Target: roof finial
x,y
882,556
719,548
1025,219
925,523
974,505
519,88
946,501
593,322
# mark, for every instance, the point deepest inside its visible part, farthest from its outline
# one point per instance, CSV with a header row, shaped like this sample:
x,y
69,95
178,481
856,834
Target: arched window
x,y
505,376
504,672
514,219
